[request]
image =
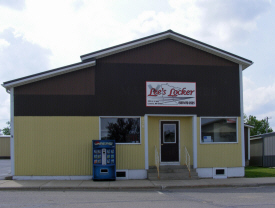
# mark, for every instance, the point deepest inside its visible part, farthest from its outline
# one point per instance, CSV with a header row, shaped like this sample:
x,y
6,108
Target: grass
x,y
256,172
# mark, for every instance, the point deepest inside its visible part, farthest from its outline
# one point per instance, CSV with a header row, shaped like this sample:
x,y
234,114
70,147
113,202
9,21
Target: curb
x,y
133,188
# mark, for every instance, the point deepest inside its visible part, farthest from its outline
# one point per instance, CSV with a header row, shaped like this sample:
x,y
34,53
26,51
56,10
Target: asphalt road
x,y
208,197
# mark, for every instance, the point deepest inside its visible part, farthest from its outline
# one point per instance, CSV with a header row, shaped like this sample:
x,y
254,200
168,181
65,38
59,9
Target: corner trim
x,y
12,130
241,111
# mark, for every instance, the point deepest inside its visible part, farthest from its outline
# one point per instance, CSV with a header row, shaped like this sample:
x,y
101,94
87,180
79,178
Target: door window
x,y
169,133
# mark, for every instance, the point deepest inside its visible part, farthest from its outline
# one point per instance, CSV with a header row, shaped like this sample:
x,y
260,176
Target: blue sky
x,y
38,35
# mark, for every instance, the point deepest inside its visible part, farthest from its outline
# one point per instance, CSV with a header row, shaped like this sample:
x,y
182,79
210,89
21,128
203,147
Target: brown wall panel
x,y
80,82
167,51
120,90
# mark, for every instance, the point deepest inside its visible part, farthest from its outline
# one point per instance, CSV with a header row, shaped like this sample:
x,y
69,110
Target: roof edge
x,y
47,74
163,35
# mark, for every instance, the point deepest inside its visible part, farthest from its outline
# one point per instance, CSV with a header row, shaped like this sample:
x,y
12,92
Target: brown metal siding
x,y
81,82
120,90
167,51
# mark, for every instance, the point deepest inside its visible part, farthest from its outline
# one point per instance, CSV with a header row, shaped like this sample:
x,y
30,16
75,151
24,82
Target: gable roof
x,y
167,34
90,58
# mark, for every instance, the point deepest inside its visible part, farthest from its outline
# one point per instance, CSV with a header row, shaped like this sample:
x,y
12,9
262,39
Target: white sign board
x,y
171,94
207,139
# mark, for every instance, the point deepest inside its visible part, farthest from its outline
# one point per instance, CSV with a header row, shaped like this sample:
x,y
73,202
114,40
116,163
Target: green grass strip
x,y
256,172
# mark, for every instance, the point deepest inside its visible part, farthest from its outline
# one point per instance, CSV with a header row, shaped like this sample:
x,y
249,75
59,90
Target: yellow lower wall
x,y
4,146
186,138
49,146
219,155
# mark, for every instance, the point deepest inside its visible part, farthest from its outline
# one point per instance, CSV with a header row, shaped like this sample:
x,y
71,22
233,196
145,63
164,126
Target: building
x,y
157,95
4,146
247,128
262,150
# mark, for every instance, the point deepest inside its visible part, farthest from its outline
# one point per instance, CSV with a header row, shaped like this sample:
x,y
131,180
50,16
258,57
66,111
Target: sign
x,y
207,139
171,94
102,143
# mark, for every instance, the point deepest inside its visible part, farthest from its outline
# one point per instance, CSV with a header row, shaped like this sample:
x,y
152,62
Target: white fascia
x,y
49,74
173,36
125,47
210,50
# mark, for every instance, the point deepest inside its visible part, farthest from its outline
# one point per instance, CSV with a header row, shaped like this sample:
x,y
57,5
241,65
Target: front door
x,y
169,141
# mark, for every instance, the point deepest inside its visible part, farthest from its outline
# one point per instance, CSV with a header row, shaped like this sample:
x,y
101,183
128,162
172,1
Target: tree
x,y
7,130
123,129
259,125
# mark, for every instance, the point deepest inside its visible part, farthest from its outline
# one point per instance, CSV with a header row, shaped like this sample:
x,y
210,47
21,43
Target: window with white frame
x,y
218,130
120,129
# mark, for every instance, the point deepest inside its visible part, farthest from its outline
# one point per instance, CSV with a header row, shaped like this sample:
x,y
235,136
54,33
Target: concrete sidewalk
x,y
134,184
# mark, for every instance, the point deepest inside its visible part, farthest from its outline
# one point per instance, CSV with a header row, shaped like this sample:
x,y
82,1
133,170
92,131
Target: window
x,y
169,133
218,130
122,130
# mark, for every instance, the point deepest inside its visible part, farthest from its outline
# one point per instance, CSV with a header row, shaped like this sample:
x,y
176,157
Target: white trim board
x,y
47,74
172,35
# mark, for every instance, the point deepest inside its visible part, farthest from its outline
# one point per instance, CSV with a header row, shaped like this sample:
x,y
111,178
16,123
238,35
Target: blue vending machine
x,y
104,160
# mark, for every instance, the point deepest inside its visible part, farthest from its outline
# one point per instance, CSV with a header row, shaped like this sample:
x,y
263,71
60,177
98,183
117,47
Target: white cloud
x,y
13,4
259,100
3,44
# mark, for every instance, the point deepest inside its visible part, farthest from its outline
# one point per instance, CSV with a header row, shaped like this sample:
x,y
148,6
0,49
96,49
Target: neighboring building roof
x,y
260,136
89,59
248,126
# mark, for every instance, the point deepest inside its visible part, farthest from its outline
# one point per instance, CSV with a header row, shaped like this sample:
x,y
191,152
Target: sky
x,y
38,35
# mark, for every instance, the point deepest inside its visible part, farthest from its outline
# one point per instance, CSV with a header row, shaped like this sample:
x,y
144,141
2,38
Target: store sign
x,y
104,143
171,94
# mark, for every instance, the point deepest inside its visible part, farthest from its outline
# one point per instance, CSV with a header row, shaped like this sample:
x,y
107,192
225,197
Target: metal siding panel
x,y
269,146
80,82
4,146
185,137
220,155
131,156
256,147
46,146
217,93
246,142
269,161
167,51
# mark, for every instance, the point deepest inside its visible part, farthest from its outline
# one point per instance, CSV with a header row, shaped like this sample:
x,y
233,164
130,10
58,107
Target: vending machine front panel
x,y
104,164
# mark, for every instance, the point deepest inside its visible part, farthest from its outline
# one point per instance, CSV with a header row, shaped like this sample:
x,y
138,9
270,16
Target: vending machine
x,y
104,160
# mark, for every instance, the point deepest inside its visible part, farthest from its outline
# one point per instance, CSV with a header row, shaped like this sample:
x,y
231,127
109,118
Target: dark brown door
x,y
169,141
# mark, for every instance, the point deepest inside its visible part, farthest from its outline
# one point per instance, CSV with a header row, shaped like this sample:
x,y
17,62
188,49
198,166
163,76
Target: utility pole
x,y
266,128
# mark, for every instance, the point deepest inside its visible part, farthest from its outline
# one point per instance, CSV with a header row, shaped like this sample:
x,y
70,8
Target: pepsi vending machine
x,y
104,160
